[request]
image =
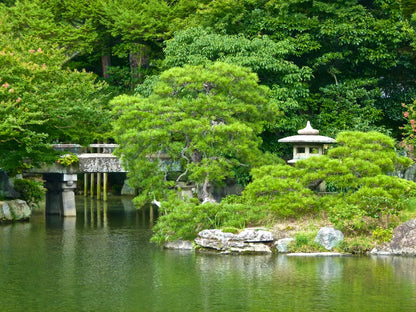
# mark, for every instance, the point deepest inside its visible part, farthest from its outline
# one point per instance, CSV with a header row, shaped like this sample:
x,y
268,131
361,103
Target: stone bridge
x,y
95,162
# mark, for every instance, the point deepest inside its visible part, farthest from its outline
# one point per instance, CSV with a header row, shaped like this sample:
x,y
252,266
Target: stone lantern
x,y
307,143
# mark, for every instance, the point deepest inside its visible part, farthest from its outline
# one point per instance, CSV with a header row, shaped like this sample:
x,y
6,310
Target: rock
x,y
254,236
282,244
216,235
381,251
179,244
5,214
404,239
219,244
14,210
317,254
127,189
251,248
248,241
329,237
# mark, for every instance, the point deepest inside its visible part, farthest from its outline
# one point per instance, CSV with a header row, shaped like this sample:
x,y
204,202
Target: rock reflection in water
x,y
102,261
402,268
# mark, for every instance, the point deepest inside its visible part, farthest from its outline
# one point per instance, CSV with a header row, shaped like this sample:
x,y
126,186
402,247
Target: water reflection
x,y
259,266
102,261
95,214
404,267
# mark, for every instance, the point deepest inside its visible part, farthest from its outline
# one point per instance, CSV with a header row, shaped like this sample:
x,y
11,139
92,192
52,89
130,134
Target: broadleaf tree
x,y
369,44
44,103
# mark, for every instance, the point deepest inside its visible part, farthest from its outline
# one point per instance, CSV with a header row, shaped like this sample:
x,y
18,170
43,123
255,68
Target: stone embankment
x,y
253,241
14,210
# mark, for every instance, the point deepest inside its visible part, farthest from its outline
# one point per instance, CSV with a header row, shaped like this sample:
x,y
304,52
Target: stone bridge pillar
x,y
60,195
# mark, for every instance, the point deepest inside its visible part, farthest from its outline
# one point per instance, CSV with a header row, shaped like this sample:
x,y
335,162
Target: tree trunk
x,y
139,59
105,63
206,195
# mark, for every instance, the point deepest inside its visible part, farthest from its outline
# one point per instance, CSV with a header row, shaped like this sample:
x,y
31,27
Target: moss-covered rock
x,y
14,210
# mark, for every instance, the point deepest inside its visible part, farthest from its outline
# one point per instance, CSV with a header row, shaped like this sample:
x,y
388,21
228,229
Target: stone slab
x,y
317,254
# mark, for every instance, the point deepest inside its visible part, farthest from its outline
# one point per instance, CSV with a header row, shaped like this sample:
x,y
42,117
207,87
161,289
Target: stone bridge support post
x,y
60,195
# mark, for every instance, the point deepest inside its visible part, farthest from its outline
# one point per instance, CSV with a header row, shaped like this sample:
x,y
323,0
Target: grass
x,y
357,245
305,229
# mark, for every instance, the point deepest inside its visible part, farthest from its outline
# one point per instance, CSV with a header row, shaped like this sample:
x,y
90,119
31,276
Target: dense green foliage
x,y
344,65
206,118
216,84
345,43
183,219
118,39
356,175
267,58
29,190
360,194
43,103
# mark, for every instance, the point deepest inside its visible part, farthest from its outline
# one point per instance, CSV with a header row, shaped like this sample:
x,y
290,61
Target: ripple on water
x,y
106,263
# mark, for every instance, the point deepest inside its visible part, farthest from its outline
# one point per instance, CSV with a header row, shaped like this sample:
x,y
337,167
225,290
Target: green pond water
x,y
104,262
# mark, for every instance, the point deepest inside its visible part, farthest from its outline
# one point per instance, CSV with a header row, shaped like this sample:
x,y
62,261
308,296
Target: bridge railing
x,y
103,148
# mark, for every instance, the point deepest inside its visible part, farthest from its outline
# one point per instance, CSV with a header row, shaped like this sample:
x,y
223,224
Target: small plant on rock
x,y
30,191
68,160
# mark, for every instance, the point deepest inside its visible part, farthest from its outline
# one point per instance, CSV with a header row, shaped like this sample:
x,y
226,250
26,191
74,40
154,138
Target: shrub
x,y
305,242
183,220
278,190
382,235
361,195
30,191
301,239
356,245
348,218
68,160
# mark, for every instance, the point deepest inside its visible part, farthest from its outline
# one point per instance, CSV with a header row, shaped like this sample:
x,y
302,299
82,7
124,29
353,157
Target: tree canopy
x,y
42,103
320,58
359,55
208,118
267,58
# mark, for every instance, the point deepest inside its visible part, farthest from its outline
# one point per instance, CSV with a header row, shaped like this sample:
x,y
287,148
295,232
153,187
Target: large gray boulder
x,y
329,237
248,241
14,210
404,239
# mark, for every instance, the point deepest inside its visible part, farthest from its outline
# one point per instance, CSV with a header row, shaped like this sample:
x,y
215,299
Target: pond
x,y
104,262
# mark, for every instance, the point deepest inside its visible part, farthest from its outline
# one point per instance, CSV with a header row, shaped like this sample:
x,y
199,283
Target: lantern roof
x,y
307,135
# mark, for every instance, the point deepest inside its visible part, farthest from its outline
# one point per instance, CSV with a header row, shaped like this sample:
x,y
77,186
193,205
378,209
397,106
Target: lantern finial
x,y
308,130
